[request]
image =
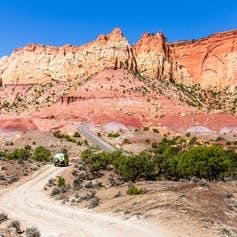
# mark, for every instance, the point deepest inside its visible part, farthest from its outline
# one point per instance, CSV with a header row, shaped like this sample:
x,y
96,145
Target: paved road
x,y
84,129
27,203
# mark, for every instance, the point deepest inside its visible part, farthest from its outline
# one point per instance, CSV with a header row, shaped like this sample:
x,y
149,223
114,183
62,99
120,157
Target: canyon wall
x,y
210,61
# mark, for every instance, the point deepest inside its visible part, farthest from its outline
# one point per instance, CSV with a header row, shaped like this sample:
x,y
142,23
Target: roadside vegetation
x,y
75,138
170,159
39,154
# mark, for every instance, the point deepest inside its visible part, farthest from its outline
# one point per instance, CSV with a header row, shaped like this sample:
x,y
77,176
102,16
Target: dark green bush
x,y
113,135
42,154
61,181
220,139
19,154
58,134
132,168
77,134
204,162
96,161
27,147
86,142
126,141
98,134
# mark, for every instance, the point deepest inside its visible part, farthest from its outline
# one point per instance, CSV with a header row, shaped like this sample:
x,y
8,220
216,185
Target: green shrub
x,y
133,190
126,141
27,147
77,134
96,161
58,134
204,162
188,134
155,130
220,139
98,134
193,141
61,182
113,135
146,129
42,154
148,141
154,145
19,154
132,168
69,139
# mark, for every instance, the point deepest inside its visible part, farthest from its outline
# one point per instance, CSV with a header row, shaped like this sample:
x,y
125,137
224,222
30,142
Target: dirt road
x,y
27,203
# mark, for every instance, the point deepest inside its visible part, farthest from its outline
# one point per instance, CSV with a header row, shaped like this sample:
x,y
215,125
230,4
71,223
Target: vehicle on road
x,y
60,159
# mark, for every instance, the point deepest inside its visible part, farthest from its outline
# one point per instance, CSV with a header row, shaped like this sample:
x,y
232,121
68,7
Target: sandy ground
x,y
29,204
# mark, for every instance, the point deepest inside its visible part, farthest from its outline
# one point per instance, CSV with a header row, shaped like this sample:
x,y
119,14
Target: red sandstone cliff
x,y
210,61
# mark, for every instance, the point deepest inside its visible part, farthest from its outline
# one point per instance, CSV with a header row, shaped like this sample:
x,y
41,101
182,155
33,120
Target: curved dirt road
x,y
29,204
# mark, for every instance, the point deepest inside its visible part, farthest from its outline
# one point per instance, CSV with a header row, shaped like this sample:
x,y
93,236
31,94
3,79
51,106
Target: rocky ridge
x,y
210,62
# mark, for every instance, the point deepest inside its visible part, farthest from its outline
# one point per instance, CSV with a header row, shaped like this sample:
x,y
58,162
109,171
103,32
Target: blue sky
x,y
59,22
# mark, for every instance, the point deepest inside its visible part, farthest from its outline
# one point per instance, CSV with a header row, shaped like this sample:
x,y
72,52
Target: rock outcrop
x,y
210,61
38,64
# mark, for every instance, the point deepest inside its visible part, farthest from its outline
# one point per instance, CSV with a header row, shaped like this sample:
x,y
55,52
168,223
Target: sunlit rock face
x,y
210,61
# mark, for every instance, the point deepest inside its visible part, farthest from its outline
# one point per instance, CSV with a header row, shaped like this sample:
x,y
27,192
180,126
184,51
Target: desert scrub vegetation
x,y
155,130
61,181
41,154
66,137
193,95
76,134
113,135
170,159
133,190
126,141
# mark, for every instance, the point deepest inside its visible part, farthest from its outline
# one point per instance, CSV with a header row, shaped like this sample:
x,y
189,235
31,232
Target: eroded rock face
x,y
210,61
153,56
38,64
